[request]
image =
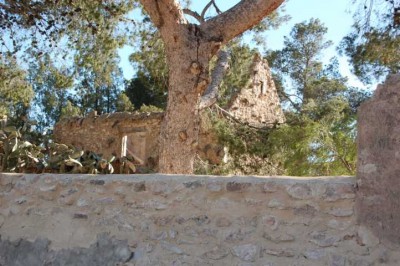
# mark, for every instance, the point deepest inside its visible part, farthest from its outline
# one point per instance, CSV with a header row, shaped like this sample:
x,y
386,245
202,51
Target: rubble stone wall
x,y
103,134
378,169
183,220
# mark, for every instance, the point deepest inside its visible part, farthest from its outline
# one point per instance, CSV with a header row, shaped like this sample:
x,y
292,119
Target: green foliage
x,y
149,109
16,154
319,136
150,85
373,45
143,90
15,91
124,104
69,110
247,148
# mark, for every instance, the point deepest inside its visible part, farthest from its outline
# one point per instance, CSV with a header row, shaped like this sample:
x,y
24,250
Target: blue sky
x,y
335,15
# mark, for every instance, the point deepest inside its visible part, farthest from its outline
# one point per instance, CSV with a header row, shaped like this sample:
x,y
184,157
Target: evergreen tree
x,y
319,137
373,45
15,91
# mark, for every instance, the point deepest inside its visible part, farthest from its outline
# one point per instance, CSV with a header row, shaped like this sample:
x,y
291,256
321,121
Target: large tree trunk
x,y
188,61
189,49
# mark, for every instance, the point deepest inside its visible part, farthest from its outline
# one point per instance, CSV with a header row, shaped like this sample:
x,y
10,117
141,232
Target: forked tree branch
x,y
238,19
193,14
218,73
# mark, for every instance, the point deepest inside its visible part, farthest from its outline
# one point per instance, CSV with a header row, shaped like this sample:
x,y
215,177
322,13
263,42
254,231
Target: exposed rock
x,y
217,253
300,191
321,239
246,252
315,254
223,222
280,252
341,212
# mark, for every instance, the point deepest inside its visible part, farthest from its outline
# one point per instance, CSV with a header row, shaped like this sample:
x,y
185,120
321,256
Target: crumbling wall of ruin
x,y
103,134
258,103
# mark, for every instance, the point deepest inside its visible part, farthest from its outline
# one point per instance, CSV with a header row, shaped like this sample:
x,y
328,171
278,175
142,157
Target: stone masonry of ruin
x,y
257,104
378,168
148,220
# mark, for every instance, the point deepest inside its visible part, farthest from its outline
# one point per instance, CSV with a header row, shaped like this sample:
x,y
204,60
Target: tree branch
x,y
203,13
210,95
164,11
238,19
193,14
231,116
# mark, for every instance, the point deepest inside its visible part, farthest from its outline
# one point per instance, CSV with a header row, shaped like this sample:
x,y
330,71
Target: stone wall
x,y
183,220
258,103
378,169
103,134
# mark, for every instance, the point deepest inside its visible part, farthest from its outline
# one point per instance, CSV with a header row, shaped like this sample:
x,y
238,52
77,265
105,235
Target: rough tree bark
x,y
189,49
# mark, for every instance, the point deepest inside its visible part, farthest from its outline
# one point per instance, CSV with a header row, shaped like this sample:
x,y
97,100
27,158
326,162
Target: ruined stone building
x,y
134,134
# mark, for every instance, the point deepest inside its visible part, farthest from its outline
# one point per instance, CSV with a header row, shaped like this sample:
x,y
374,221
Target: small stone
x,y
315,254
246,252
235,235
82,203
339,212
139,187
217,253
339,225
214,186
339,191
337,260
253,202
300,191
66,200
193,184
366,238
159,188
201,219
20,200
158,235
172,248
163,220
80,215
276,204
223,222
270,187
270,222
48,196
97,182
321,239
68,192
172,234
48,188
237,187
280,252
306,211
279,238
160,206
105,200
